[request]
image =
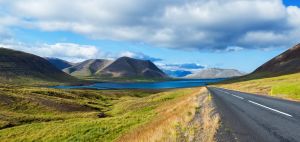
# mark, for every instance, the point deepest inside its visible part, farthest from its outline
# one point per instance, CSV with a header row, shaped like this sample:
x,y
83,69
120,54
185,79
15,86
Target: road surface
x,y
257,118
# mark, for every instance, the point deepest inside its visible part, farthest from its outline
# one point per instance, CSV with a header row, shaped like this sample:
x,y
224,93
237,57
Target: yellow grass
x,y
207,126
285,86
178,120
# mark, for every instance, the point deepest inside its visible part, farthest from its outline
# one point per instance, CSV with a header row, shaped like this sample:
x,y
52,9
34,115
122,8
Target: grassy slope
x,y
20,67
285,86
29,114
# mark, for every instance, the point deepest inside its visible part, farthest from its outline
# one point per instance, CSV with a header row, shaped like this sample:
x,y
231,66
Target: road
x,y
257,118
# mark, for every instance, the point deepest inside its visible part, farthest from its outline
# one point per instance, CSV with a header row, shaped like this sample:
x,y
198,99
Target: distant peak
x,y
125,57
130,58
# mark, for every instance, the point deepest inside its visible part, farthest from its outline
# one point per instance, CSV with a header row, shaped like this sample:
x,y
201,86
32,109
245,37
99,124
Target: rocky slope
x,y
122,67
215,73
88,67
285,63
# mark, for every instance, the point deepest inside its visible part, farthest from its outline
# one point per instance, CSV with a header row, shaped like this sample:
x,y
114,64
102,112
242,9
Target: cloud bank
x,y
178,24
73,52
67,51
139,55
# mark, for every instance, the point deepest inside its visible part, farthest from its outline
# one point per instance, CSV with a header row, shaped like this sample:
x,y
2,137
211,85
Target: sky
x,y
236,34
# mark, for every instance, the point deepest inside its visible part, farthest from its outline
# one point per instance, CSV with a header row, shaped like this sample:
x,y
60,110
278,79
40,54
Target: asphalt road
x,y
256,118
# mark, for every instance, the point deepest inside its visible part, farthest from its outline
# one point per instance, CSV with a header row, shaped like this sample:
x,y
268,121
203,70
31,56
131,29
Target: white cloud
x,y
5,22
71,51
138,55
293,16
192,67
182,24
67,51
234,48
127,54
264,38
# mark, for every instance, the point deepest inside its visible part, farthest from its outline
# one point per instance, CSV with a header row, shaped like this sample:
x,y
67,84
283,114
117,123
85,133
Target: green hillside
x,y
25,68
278,77
285,86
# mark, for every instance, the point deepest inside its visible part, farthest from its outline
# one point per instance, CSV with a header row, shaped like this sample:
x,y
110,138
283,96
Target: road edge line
x,y
275,110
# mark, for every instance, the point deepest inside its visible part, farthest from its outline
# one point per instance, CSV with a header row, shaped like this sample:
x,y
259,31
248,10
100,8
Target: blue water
x,y
146,85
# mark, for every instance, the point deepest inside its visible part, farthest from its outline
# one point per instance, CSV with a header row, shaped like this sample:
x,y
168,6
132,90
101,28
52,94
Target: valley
x,y
55,100
149,71
45,114
32,110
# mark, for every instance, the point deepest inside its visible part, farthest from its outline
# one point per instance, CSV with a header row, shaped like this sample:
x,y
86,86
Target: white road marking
x,y
232,95
238,96
258,104
270,108
224,92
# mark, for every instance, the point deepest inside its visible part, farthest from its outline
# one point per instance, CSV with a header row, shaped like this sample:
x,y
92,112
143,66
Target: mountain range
x,y
17,64
87,68
129,67
119,68
20,65
215,73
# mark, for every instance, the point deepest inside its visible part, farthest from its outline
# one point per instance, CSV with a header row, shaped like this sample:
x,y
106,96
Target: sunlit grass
x,y
286,86
184,118
44,114
287,90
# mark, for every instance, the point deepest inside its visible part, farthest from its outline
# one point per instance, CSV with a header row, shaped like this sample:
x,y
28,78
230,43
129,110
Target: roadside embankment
x,y
187,118
285,87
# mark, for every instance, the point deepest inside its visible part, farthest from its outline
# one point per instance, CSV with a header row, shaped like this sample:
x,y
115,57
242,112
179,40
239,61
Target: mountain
x,y
286,63
16,64
122,67
59,63
177,73
129,67
215,73
88,67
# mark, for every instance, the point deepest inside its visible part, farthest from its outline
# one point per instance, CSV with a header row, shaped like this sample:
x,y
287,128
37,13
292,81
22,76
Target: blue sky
x,y
240,34
291,2
244,60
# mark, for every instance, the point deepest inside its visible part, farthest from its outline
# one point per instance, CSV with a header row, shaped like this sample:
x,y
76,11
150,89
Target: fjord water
x,y
186,83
